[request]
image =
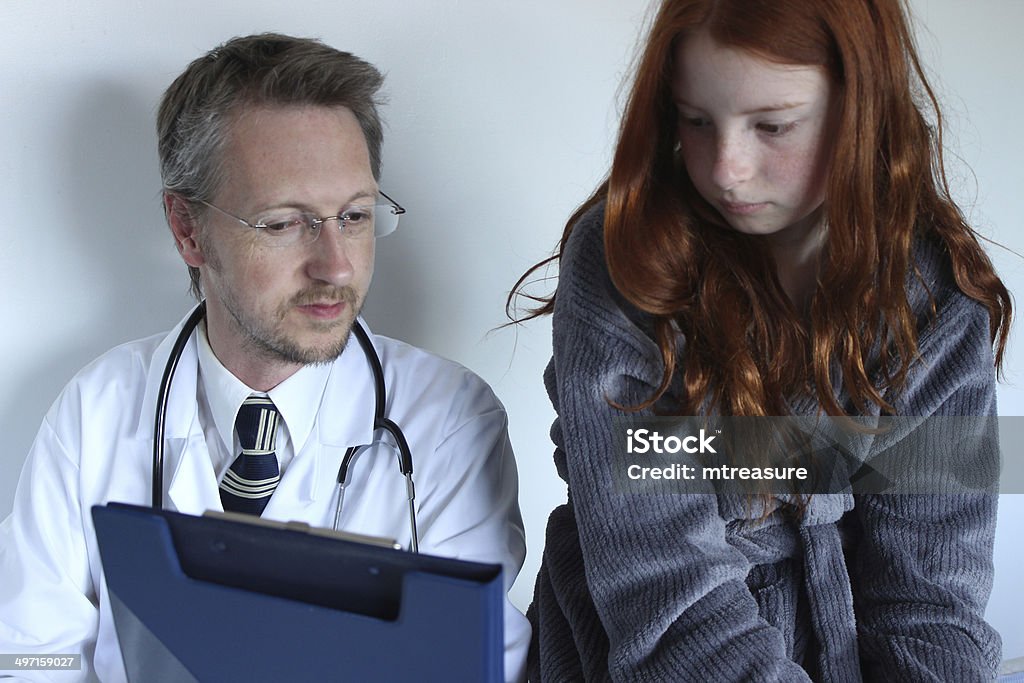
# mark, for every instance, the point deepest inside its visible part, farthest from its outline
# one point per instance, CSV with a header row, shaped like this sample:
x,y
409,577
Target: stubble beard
x,y
271,340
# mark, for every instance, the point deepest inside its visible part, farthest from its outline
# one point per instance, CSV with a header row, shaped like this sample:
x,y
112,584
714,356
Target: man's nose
x,y
329,260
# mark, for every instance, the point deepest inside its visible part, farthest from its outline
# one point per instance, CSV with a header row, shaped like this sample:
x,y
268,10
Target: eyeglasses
x,y
293,228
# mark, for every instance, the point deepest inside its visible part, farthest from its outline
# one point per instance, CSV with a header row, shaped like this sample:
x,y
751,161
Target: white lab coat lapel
x,y
344,419
190,484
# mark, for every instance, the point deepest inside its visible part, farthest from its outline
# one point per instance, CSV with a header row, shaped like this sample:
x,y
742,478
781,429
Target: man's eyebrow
x,y
367,193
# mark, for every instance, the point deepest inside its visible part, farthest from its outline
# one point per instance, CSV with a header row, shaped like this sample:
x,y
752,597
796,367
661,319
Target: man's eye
x,y
284,224
358,216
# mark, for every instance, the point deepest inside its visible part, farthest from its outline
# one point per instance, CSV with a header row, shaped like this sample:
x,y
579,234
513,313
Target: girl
x,y
775,238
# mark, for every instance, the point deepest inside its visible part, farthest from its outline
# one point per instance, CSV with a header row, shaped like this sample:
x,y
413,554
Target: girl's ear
x,y
184,228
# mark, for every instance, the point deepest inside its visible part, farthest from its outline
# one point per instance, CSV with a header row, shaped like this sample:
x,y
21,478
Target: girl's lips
x,y
742,208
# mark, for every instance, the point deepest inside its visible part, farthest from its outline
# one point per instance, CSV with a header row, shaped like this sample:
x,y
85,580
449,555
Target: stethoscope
x,y
380,422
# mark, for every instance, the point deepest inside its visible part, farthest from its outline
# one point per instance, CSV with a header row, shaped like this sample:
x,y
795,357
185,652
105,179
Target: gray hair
x,y
263,69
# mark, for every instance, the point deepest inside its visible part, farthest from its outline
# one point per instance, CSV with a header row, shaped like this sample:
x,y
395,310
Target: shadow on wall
x,y
116,253
113,177
401,281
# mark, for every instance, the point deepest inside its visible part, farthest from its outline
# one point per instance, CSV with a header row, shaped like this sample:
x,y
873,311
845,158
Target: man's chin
x,y
310,351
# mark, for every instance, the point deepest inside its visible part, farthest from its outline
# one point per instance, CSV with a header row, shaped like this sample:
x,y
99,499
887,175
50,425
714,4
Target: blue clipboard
x,y
213,599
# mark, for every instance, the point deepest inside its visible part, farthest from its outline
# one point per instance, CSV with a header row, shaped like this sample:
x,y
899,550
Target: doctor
x,y
270,158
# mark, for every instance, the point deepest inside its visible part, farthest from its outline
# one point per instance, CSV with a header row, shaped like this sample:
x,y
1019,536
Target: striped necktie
x,y
253,476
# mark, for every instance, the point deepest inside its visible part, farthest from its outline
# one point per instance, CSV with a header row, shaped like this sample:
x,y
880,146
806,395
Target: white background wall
x,y
501,119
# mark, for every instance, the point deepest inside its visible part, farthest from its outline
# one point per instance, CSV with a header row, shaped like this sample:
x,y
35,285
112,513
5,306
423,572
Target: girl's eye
x,y
775,129
693,121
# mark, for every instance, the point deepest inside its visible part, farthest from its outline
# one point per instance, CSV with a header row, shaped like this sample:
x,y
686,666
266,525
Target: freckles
x,y
798,167
697,158
792,167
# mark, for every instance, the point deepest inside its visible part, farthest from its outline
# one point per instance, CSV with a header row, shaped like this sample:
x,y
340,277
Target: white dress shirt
x,y
220,395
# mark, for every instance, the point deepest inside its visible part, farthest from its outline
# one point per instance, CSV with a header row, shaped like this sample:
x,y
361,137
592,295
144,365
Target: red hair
x,y
671,255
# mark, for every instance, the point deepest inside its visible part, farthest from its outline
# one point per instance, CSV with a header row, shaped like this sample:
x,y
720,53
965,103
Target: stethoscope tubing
x,y
160,421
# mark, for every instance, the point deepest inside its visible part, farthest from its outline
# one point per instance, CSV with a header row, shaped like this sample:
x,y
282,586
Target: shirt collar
x,y
297,398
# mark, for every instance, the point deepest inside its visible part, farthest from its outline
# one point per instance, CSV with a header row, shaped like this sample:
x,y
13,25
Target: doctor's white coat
x,y
95,446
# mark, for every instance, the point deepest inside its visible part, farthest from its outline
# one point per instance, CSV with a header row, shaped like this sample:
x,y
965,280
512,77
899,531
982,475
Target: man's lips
x,y
324,310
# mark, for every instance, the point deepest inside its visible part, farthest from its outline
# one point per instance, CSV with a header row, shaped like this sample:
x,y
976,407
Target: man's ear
x,y
185,229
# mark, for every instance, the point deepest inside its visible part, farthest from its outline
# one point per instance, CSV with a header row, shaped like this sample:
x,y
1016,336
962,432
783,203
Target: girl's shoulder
x,y
585,287
954,344
944,312
588,303
584,282
584,255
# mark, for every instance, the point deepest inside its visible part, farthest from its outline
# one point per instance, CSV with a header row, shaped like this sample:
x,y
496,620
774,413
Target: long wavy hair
x,y
671,254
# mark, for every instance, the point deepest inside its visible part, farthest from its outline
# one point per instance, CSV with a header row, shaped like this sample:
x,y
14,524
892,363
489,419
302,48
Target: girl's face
x,y
754,136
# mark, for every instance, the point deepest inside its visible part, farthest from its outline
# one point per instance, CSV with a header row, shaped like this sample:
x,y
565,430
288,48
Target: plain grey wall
x,y
501,119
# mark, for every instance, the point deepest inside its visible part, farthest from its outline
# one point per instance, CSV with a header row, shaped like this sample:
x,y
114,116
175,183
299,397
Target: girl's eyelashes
x,y
775,129
693,121
768,128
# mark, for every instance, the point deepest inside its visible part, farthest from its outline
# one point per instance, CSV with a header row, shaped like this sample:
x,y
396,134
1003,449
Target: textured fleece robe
x,y
685,587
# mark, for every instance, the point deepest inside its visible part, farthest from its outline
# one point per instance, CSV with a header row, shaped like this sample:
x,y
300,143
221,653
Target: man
x,y
270,157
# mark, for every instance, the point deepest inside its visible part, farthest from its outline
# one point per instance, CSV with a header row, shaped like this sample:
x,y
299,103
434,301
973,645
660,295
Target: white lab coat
x,y
95,445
